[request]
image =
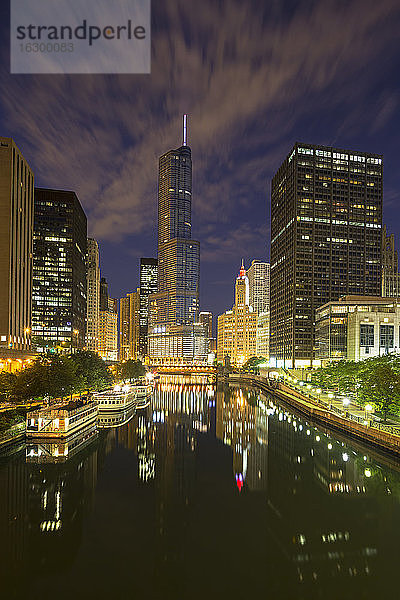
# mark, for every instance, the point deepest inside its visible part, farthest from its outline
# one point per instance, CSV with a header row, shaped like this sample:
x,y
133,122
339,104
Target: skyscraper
x,y
174,331
108,324
237,328
93,295
16,232
326,228
258,274
59,271
129,329
148,286
390,267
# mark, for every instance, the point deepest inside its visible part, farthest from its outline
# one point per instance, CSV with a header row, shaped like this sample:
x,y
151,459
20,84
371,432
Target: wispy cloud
x,y
247,72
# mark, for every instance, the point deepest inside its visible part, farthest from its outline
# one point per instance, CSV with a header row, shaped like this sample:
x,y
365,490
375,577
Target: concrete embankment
x,y
370,433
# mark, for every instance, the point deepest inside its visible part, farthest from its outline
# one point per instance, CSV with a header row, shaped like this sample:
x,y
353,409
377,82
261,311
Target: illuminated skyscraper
x,y
258,274
237,328
326,237
174,331
93,296
108,327
129,318
16,233
59,271
148,286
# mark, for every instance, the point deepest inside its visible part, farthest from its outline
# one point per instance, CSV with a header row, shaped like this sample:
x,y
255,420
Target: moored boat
x,y
61,420
116,399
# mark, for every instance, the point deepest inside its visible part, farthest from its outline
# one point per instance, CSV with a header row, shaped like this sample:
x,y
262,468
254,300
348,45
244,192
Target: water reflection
x,y
223,481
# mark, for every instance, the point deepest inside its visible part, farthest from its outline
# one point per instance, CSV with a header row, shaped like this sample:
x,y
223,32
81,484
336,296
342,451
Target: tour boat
x,y
60,449
121,397
61,420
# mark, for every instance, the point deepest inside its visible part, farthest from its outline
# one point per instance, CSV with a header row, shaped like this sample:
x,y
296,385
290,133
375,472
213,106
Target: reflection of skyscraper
x,y
174,331
148,286
243,425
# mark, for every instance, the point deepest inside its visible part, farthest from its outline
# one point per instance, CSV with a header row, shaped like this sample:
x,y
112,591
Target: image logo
x,y
80,36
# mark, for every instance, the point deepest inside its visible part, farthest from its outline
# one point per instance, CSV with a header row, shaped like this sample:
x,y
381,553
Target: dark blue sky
x,y
254,77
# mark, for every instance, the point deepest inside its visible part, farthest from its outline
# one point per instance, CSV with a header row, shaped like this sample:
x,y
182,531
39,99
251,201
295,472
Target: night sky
x,y
254,77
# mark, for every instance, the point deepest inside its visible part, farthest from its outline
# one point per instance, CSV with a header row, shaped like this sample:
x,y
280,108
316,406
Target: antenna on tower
x,y
184,130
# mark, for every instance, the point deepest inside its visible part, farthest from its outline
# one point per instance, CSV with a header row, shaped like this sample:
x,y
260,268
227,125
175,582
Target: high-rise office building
x,y
129,326
16,231
174,331
205,317
108,324
258,274
148,286
262,337
93,295
326,232
390,267
59,271
237,328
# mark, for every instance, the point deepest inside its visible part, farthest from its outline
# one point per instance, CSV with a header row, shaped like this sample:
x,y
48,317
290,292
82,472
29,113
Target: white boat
x,y
144,391
61,420
117,399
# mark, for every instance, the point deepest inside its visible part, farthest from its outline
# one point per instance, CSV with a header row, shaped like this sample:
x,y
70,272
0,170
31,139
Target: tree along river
x,y
206,493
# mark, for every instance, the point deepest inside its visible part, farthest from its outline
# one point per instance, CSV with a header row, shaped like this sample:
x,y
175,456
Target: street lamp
x,y
368,408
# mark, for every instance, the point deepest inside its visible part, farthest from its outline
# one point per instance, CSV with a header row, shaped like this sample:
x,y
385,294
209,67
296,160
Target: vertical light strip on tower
x,y
184,130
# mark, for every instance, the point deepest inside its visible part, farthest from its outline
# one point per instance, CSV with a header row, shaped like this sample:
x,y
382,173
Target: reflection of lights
x,y
117,388
346,402
345,456
239,481
368,407
367,473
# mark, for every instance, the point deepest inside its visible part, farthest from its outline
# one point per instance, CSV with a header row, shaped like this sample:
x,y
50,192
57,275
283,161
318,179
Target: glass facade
x,y
176,303
326,233
148,286
59,271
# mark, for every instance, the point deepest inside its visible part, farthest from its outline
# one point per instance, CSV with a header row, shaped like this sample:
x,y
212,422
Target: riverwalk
x,y
380,435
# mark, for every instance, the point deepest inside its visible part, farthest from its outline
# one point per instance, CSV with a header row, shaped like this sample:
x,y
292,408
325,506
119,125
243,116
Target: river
x,y
207,493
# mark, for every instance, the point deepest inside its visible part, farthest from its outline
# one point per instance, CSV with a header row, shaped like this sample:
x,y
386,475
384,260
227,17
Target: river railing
x,y
382,435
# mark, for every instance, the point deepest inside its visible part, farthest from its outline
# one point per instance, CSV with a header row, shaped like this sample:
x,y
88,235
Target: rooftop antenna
x,y
184,130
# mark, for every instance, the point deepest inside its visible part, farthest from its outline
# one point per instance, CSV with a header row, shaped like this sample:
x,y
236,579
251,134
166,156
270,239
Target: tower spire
x,y
184,130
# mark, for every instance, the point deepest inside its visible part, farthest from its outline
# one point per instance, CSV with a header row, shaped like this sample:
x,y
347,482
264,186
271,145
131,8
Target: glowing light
x,y
345,456
367,473
330,446
317,438
369,408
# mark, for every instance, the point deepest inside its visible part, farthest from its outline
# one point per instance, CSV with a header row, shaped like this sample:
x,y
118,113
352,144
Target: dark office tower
x,y
148,285
103,294
326,236
16,231
59,271
174,309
